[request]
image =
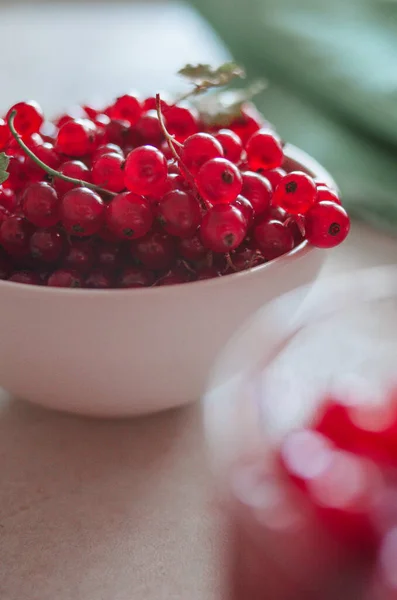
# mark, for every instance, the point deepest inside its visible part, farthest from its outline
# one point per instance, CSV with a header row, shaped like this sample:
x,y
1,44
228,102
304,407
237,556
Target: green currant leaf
x,y
205,76
4,162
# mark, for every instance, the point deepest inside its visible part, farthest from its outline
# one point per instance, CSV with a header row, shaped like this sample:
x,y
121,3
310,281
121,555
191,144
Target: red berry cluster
x,y
141,193
345,466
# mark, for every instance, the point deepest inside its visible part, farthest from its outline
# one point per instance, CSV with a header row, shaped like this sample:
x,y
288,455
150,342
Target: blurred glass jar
x,y
295,397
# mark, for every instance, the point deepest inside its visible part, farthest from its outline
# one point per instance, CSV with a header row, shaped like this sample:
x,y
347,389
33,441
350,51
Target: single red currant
x,y
150,103
198,149
155,250
179,213
223,228
4,135
149,130
129,216
327,225
109,256
65,278
76,138
21,173
273,239
82,212
257,190
264,150
231,144
324,194
108,172
177,182
98,280
126,108
71,168
28,118
8,199
47,245
79,256
219,181
181,122
296,193
192,248
135,277
248,123
145,170
274,176
106,149
246,208
117,132
26,277
40,204
47,153
15,235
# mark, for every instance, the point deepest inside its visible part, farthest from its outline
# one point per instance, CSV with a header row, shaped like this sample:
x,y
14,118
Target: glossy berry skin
x,y
134,277
264,150
223,228
246,208
231,144
149,130
192,248
79,257
99,280
40,204
258,191
145,170
46,245
198,149
247,123
47,153
65,278
180,122
327,225
126,108
26,277
108,172
28,119
21,173
76,138
155,250
272,238
219,181
296,193
15,232
117,132
71,168
324,194
179,213
106,149
129,216
108,256
274,176
4,135
8,199
82,212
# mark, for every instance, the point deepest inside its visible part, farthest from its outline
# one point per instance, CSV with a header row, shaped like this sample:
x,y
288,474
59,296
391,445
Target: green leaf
x,y
4,162
205,76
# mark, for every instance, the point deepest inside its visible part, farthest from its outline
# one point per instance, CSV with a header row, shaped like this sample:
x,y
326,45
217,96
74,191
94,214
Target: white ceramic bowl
x,y
128,352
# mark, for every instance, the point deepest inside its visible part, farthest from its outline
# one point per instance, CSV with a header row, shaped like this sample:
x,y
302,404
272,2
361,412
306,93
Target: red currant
x,y
40,204
8,199
79,257
117,132
75,112
26,277
179,213
82,212
192,248
198,149
129,216
127,108
4,135
246,208
149,130
28,118
257,190
181,122
15,235
150,103
223,228
155,250
71,168
76,138
273,239
106,149
219,181
274,176
145,170
324,194
248,123
264,150
99,280
109,256
47,153
135,277
65,278
176,182
4,214
108,172
327,225
20,173
231,144
46,245
296,193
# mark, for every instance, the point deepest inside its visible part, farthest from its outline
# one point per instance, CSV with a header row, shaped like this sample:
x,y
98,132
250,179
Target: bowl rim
x,y
309,164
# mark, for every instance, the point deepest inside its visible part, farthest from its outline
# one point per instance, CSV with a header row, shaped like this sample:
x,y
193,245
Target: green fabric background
x,y
332,68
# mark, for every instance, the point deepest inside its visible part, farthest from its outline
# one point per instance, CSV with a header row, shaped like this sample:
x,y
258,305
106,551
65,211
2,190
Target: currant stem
x,y
229,262
46,168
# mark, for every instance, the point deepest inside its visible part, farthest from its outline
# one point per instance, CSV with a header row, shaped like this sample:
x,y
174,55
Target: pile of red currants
x,y
143,193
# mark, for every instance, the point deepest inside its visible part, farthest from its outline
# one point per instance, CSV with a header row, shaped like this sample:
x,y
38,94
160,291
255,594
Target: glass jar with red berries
x,y
301,420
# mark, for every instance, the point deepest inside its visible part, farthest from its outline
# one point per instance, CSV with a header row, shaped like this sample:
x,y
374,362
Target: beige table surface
x,y
94,510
